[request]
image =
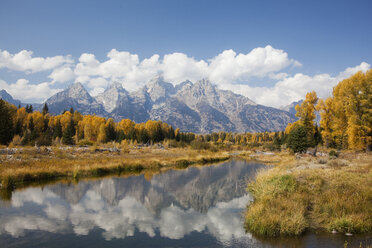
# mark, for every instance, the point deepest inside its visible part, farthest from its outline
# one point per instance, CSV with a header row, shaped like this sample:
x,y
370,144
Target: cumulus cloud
x,y
23,61
294,88
260,62
22,89
62,74
227,66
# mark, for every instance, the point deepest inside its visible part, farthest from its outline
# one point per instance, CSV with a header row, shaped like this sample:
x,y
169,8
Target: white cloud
x,y
62,74
25,91
352,70
23,61
295,87
260,62
227,66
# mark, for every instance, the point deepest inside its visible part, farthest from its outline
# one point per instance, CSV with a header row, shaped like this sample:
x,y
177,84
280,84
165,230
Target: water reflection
x,y
171,205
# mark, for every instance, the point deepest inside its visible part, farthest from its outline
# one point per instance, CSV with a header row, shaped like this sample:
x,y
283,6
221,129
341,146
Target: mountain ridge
x,y
198,107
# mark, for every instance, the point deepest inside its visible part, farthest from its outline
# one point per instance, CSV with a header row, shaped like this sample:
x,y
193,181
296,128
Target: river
x,y
194,207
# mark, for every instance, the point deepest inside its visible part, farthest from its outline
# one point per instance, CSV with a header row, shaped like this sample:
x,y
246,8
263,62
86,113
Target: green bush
x,y
333,153
297,139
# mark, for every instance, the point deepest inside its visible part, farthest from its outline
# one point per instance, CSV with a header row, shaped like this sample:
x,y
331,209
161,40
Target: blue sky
x,y
325,37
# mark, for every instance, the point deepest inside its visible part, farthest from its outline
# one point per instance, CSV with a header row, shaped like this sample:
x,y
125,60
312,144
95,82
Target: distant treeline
x,y
346,121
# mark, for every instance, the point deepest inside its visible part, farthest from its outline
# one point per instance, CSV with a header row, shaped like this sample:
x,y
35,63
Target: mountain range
x,y
195,107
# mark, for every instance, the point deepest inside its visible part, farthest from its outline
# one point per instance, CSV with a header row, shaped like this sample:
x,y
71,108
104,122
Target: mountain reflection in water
x,y
171,205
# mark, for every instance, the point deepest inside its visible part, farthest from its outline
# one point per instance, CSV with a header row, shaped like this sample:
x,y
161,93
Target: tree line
x,y
26,127
346,123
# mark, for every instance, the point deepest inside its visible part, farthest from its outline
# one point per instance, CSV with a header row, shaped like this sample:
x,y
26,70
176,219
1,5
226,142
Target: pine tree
x,y
45,109
110,130
68,134
306,113
29,109
297,139
6,123
33,132
57,130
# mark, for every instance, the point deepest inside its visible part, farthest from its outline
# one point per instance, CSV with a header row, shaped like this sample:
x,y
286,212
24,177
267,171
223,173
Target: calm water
x,y
195,207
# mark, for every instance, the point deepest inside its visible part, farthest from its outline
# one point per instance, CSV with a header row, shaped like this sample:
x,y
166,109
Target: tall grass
x,y
291,201
30,166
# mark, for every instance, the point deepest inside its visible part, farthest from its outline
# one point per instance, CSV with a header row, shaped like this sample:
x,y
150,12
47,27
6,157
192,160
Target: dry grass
x,y
29,165
308,194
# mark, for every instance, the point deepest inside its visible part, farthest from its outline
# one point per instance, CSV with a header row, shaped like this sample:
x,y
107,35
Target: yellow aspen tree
x,y
101,138
126,126
65,120
326,120
38,120
357,102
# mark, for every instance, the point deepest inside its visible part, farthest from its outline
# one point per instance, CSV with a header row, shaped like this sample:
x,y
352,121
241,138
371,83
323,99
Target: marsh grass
x,y
290,199
30,166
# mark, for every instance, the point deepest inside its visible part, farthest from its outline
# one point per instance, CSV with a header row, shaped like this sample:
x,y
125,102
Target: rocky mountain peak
x,y
111,96
77,97
158,89
77,91
183,86
115,85
7,97
204,88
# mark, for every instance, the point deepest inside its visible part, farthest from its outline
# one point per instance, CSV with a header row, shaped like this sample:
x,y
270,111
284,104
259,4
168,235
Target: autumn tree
x,y
326,120
352,107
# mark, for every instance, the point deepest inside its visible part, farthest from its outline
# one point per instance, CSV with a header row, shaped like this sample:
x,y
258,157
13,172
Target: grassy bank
x,y
309,193
29,165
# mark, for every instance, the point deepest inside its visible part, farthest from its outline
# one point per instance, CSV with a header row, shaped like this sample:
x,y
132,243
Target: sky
x,y
273,52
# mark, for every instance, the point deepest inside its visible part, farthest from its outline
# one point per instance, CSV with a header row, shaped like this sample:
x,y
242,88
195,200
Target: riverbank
x,y
27,165
303,193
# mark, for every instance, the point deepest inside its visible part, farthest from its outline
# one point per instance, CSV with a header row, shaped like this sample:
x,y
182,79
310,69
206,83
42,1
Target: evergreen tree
x,y
72,110
57,130
110,132
297,139
6,123
31,127
68,134
18,128
29,109
45,109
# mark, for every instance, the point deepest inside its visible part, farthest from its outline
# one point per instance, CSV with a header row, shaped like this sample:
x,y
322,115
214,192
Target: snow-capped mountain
x,y
77,97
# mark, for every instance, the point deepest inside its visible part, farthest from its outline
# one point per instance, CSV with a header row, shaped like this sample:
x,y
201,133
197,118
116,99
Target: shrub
x,y
44,140
85,142
333,153
200,145
17,141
